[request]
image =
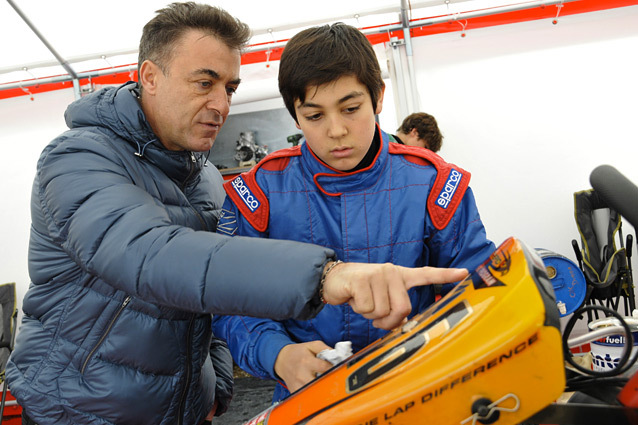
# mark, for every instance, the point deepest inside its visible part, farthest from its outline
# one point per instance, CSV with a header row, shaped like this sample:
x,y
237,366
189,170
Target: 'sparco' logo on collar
x,y
245,194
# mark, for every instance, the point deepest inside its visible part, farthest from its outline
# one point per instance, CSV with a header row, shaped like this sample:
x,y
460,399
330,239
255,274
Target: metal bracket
x,y
494,407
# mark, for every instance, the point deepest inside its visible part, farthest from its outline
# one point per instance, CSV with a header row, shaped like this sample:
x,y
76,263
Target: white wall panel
x,y
26,128
531,109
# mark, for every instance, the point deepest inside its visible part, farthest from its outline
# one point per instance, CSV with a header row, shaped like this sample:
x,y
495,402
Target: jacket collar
x,y
118,109
333,182
181,166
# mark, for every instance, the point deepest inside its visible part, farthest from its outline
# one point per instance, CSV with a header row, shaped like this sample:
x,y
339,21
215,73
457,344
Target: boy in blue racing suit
x,y
346,187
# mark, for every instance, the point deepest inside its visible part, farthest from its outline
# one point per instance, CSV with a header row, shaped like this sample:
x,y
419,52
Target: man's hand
x,y
379,291
297,364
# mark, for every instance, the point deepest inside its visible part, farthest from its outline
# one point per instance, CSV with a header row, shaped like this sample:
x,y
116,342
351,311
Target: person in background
x,y
345,187
420,129
125,264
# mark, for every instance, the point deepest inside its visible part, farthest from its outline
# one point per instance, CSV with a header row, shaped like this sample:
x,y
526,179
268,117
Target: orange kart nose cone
x,y
490,349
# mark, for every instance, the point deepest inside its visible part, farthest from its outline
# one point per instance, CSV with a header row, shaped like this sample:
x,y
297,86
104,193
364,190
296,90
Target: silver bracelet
x,y
323,279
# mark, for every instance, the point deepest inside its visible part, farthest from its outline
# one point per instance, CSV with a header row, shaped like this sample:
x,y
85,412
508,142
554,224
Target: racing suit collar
x,y
333,182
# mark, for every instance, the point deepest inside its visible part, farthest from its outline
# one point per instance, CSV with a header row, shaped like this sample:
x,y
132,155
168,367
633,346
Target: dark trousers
x,y
26,420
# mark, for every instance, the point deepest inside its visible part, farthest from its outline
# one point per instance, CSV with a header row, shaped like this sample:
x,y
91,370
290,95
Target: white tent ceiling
x,y
90,35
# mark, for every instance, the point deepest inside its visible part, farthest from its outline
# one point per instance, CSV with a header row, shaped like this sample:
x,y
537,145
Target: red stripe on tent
x,y
31,90
262,56
118,78
540,12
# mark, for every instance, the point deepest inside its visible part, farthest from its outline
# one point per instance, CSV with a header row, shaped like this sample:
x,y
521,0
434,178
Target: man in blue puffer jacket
x,y
125,266
348,188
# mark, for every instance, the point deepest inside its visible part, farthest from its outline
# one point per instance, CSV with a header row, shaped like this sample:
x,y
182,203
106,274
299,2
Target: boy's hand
x,y
297,364
379,291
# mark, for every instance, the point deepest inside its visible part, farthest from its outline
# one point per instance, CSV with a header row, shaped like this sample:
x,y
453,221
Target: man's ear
x,y
148,76
379,107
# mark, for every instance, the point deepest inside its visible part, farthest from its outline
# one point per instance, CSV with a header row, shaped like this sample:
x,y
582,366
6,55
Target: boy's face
x,y
337,120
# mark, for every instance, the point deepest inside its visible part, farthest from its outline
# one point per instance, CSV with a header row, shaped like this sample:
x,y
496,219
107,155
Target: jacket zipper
x,y
199,217
187,383
106,332
191,169
185,182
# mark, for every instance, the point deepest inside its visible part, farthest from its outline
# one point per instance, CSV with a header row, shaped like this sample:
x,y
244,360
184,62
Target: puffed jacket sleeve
x,y
254,343
223,365
115,229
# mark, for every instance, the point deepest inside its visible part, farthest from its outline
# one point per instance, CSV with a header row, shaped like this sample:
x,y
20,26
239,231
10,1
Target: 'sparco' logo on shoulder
x,y
452,182
245,194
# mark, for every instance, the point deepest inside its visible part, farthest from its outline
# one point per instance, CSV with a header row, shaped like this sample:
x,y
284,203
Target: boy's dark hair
x,y
162,32
323,54
426,128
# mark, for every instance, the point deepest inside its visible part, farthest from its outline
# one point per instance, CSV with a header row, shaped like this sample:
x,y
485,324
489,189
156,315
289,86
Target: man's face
x,y
187,105
337,120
